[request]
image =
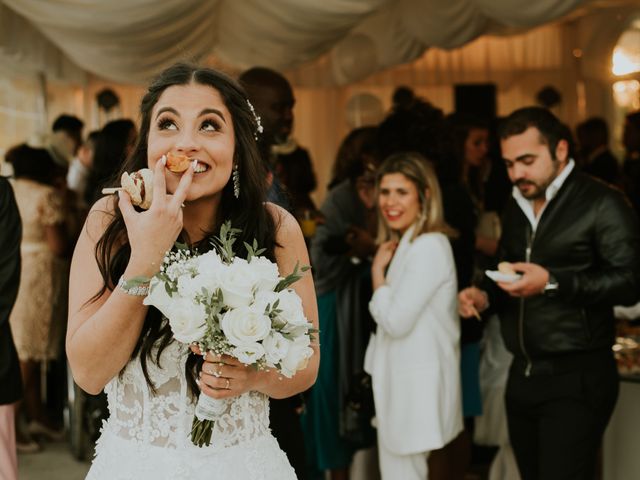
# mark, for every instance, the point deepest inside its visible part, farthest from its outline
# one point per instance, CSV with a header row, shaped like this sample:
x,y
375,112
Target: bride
x,y
116,343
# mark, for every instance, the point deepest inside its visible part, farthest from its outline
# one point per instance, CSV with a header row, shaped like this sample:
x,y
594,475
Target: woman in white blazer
x,y
414,356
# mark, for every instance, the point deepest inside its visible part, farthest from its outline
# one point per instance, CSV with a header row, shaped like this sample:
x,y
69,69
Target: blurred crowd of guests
x,y
51,187
475,187
455,156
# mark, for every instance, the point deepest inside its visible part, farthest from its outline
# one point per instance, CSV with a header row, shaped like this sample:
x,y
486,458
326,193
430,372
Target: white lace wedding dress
x,y
147,436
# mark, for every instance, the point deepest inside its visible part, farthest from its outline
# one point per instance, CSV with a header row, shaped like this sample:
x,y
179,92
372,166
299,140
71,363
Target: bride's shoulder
x,y
284,222
288,233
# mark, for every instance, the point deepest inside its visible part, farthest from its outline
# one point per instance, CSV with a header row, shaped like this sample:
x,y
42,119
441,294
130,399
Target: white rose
x,y
266,273
275,347
263,300
244,325
292,313
208,261
249,353
210,266
189,287
187,320
237,282
158,296
297,357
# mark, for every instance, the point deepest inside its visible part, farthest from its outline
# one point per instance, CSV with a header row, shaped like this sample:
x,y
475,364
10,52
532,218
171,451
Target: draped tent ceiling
x,y
129,41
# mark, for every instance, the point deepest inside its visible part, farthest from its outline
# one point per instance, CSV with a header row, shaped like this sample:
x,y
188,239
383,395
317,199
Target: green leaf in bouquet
x,y
253,250
170,288
224,242
278,323
292,278
181,246
136,282
164,277
288,336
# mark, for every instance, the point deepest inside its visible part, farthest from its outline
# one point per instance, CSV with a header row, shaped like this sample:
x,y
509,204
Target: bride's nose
x,y
187,143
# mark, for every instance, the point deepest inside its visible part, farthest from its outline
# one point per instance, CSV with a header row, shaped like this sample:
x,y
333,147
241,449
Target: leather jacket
x,y
589,241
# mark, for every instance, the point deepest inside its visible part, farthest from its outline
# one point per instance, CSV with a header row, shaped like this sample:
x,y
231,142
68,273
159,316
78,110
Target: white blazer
x,y
414,357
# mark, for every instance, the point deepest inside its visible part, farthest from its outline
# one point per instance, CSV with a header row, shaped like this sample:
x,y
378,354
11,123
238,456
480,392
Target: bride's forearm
x,y
277,386
103,343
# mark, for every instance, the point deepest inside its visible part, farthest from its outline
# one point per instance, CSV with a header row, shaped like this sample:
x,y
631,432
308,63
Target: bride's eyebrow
x,y
215,111
167,109
203,112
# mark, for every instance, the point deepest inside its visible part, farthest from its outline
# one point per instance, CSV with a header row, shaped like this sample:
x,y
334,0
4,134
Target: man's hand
x,y
533,280
361,242
472,300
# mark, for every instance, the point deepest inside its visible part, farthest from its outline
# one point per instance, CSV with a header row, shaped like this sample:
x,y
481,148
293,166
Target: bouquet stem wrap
x,y
208,410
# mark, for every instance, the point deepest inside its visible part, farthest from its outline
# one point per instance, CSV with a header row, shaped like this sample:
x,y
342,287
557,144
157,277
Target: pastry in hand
x,y
139,186
177,163
506,268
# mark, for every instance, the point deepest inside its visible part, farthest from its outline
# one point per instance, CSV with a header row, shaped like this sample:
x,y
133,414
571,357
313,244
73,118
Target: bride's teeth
x,y
200,167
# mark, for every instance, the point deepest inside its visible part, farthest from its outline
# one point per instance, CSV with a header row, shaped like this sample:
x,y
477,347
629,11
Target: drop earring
x,y
236,181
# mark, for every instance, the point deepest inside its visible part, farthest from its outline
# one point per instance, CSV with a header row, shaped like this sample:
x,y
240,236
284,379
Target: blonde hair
x,y
421,173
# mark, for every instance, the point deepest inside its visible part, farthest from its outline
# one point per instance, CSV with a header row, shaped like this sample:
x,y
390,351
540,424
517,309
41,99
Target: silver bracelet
x,y
138,290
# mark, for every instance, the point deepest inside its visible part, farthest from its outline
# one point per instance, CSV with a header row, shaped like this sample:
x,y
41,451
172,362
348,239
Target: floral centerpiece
x,y
232,306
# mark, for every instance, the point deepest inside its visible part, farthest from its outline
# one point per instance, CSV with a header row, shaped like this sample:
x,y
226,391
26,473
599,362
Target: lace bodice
x,y
164,418
148,434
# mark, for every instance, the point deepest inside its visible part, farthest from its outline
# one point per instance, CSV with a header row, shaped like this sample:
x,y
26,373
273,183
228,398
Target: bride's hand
x,y
153,232
225,376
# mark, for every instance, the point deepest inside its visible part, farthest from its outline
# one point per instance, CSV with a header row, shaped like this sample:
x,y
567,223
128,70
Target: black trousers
x,y
286,427
557,420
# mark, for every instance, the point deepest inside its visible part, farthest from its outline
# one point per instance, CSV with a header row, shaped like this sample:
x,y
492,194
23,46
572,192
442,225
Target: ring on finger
x,y
227,385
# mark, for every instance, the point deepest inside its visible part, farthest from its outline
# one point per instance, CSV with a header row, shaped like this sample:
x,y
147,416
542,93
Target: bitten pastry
x,y
177,163
506,268
139,185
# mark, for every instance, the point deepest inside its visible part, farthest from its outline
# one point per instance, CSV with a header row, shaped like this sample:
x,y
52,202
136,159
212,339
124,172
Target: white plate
x,y
497,276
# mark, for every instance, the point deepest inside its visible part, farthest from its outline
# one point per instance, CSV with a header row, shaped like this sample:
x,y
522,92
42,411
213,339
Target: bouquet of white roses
x,y
233,306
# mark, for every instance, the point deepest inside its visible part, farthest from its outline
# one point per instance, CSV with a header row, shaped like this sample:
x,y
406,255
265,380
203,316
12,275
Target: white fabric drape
x,y
23,47
131,40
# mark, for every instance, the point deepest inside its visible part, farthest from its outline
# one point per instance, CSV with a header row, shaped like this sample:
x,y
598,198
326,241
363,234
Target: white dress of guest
x,y
414,357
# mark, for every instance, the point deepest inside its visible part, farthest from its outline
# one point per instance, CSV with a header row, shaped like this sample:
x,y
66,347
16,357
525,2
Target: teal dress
x,y
336,280
325,448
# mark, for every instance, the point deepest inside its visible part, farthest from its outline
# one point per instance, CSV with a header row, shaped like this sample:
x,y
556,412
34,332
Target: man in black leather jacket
x,y
576,244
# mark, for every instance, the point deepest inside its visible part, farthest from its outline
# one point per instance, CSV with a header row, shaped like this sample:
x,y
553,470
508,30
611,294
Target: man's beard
x,y
538,191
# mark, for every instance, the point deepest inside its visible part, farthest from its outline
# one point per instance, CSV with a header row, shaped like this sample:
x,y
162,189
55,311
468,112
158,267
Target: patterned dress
x,y
37,332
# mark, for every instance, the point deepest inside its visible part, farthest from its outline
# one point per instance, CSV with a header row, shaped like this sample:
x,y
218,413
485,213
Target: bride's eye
x,y
210,125
166,124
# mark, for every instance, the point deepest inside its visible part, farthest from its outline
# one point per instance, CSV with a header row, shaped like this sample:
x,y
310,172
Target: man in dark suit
x,y
272,96
11,391
598,161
